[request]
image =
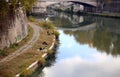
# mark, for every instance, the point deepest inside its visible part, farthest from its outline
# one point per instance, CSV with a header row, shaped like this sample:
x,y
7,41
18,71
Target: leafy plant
x,y
48,25
12,5
30,18
56,33
14,45
3,53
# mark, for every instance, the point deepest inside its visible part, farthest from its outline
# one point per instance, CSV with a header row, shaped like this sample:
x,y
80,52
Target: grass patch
x,y
50,51
42,61
46,25
49,27
21,62
26,73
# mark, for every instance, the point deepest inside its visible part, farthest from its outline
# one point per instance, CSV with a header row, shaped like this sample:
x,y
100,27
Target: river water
x,y
89,47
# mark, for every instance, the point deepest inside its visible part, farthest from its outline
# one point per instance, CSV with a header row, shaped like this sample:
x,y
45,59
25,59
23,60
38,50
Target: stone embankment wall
x,y
13,28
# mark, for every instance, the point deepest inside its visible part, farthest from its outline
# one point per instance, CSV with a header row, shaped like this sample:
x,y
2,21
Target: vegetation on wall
x,y
9,9
10,5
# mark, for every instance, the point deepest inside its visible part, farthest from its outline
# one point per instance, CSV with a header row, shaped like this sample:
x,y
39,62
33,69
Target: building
x,y
39,7
112,6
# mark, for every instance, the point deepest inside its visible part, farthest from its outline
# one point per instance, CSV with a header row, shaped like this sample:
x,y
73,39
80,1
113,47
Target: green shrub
x,y
56,33
42,61
14,45
31,18
46,25
26,73
3,53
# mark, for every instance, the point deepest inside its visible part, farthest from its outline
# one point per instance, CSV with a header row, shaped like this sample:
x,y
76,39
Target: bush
x,y
31,18
56,33
14,45
3,53
42,61
26,73
46,25
50,51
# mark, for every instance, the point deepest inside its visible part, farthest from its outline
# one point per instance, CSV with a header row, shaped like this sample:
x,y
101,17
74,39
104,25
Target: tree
x,y
10,5
8,11
4,8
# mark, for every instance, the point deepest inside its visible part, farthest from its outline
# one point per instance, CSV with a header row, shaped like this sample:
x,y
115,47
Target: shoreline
x,y
32,56
38,64
34,64
111,15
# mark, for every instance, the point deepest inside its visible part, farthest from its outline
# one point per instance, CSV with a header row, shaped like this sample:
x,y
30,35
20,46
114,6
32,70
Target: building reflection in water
x,y
89,47
104,35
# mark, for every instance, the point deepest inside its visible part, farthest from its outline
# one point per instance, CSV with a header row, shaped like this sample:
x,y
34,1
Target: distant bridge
x,y
42,4
83,2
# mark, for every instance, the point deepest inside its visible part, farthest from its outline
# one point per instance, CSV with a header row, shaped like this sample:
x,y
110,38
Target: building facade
x,y
112,6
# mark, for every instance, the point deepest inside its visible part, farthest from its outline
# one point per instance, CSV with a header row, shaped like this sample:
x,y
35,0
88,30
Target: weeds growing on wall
x,y
8,10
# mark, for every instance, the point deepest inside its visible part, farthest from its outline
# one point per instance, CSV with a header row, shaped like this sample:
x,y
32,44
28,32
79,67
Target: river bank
x,y
19,64
112,15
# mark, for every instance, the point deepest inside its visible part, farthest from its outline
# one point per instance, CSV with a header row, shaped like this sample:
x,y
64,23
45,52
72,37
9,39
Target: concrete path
x,y
26,46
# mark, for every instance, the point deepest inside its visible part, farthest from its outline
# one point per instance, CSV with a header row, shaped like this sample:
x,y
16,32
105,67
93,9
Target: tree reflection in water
x,y
105,37
103,40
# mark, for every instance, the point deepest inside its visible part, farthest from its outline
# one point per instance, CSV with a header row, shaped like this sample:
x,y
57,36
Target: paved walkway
x,y
26,46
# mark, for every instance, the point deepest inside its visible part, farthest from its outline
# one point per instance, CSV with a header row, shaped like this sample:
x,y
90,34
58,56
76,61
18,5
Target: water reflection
x,y
91,49
78,60
71,21
78,67
104,35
